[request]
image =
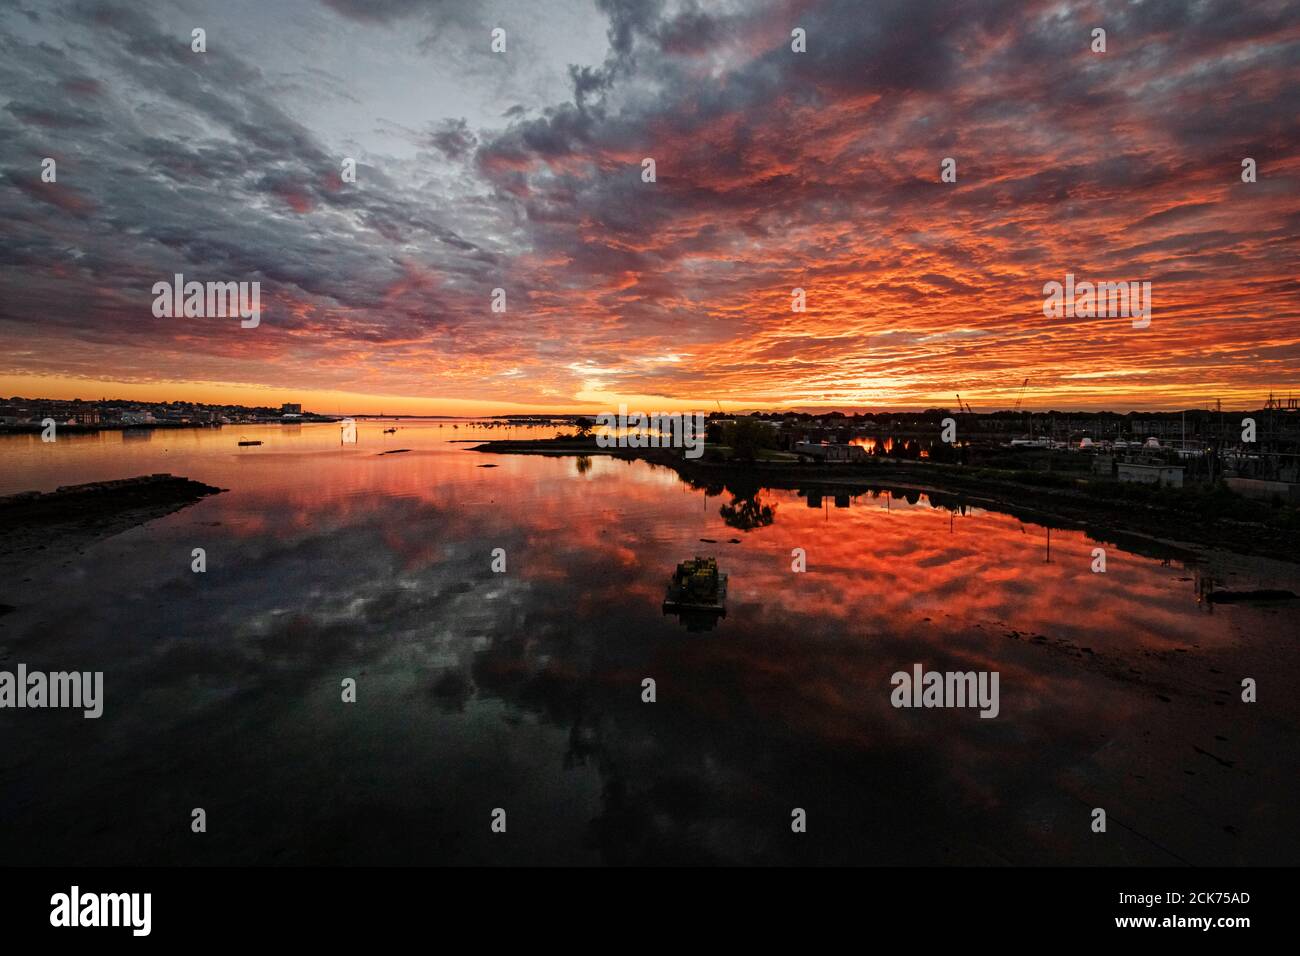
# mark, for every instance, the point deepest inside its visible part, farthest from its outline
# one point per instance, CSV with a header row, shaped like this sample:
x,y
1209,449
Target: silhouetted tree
x,y
747,437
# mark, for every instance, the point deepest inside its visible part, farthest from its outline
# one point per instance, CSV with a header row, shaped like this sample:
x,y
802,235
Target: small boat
x,y
390,431
248,442
697,592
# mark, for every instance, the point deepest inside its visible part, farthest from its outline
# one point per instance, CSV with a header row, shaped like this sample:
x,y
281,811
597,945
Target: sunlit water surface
x,y
522,690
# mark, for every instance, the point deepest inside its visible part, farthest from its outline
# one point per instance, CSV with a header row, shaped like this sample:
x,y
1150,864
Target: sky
x,y
774,170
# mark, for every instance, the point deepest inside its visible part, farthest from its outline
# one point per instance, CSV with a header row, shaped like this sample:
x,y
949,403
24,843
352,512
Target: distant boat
x,y
390,431
248,442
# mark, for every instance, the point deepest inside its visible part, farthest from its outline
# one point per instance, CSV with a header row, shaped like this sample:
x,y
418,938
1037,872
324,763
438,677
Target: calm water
x,y
522,690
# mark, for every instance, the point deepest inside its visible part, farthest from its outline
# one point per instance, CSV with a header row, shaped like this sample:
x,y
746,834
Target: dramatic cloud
x,y
775,170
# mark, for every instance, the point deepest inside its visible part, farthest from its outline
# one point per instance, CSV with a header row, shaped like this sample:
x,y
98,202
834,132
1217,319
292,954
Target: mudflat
x,y
41,528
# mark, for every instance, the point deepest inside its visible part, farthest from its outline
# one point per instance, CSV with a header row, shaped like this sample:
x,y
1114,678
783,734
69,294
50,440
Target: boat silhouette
x,y
697,594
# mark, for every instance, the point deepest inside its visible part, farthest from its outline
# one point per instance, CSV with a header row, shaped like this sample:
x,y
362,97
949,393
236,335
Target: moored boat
x,y
697,585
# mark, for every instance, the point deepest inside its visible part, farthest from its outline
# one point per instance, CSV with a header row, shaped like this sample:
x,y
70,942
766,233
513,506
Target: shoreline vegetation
x,y
1165,522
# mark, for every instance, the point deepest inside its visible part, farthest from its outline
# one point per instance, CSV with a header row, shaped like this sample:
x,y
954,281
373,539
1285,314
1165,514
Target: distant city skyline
x,y
1279,401
778,169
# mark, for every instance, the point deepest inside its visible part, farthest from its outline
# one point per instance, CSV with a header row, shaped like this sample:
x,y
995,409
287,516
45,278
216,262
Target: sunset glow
x,y
776,171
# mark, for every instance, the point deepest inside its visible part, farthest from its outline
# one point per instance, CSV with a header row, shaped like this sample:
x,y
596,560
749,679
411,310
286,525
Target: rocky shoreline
x,y
47,527
99,499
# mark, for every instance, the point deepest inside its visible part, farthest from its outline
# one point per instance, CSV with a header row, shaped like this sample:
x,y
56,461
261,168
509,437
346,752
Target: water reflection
x,y
479,689
746,512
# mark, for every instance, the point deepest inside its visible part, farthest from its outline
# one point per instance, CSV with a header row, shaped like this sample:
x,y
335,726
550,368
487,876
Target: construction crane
x,y
964,406
1021,397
